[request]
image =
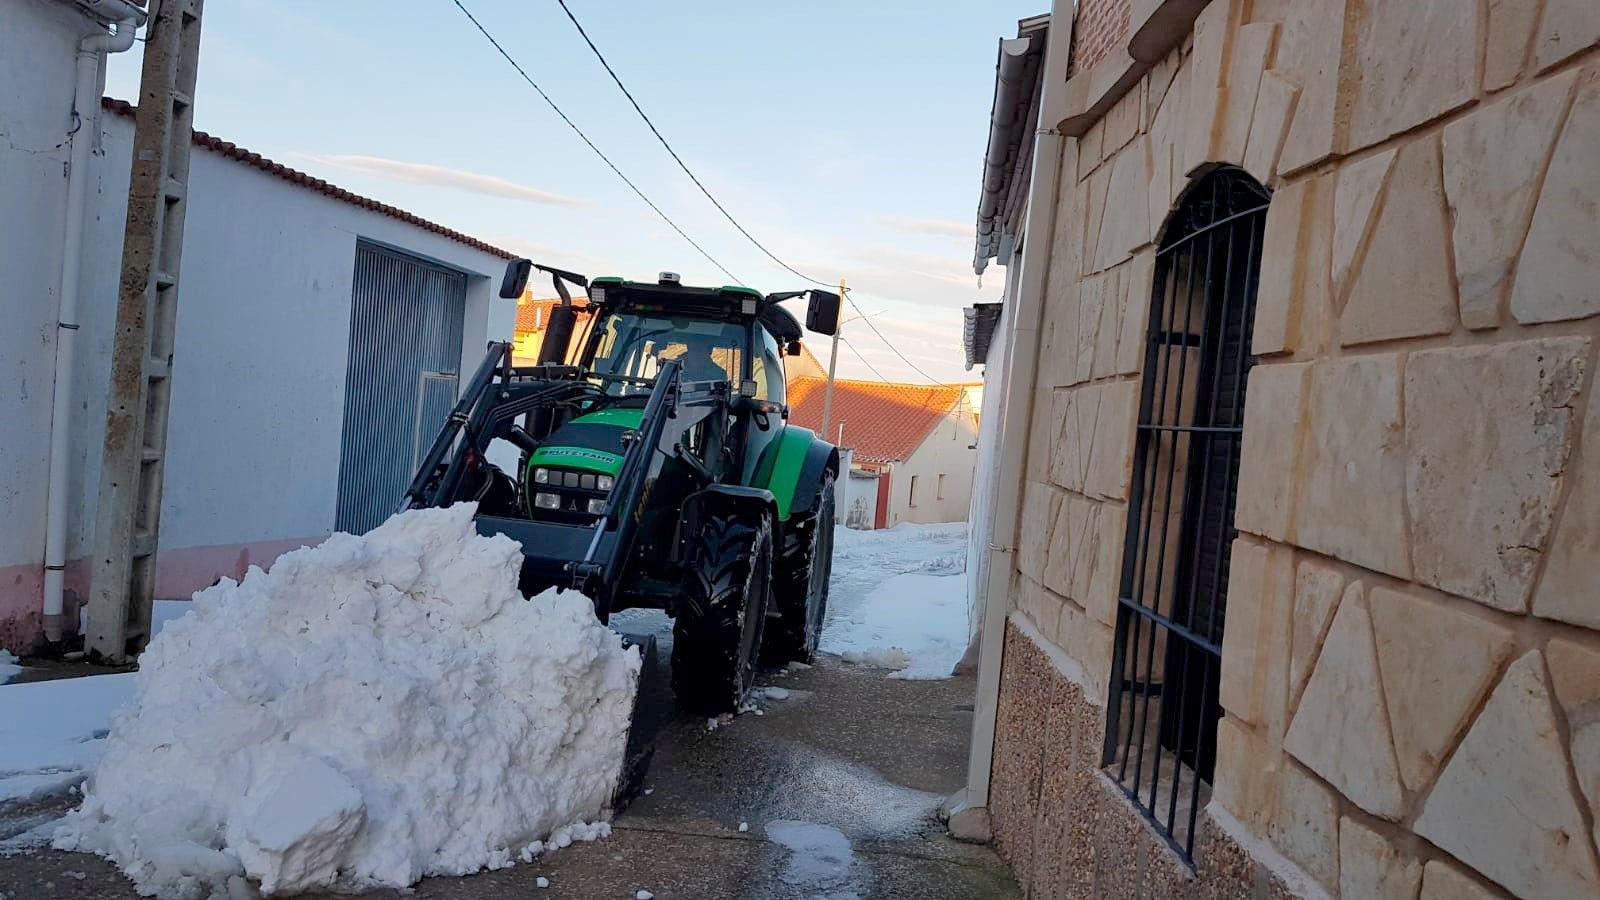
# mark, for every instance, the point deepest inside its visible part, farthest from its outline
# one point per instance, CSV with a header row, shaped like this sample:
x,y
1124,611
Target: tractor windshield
x,y
636,344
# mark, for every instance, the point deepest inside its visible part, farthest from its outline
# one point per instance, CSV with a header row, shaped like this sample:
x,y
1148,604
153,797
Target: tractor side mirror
x,y
822,316
516,278
792,348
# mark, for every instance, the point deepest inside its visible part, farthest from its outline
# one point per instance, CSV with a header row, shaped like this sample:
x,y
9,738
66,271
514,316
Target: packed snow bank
x,y
8,665
898,599
369,711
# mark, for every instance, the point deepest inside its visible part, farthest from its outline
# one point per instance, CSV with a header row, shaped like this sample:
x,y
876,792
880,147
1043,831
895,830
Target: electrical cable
x,y
585,138
676,158
892,347
874,369
692,177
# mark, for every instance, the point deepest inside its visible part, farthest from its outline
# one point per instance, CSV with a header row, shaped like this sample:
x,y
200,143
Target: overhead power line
x,y
585,138
714,202
874,369
687,171
886,343
676,158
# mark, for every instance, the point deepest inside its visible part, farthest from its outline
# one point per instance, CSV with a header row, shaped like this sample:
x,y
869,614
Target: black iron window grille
x,y
1161,732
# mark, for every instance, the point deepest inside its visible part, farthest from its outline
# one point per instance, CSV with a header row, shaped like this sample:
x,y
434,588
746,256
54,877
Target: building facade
x,y
1301,598
320,335
917,441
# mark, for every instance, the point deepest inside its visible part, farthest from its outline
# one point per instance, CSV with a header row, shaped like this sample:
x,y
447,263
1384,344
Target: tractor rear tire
x,y
800,588
716,637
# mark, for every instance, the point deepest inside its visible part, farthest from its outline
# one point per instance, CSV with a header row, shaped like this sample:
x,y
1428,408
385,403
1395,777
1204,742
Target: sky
x,y
846,135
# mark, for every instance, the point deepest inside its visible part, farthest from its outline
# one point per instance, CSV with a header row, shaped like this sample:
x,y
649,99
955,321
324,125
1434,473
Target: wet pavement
x,y
848,770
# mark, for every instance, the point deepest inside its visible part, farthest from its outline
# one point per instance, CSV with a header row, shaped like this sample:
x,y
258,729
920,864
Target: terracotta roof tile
x,y
295,176
534,315
884,422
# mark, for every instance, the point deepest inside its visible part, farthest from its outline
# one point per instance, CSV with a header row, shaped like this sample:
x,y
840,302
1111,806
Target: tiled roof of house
x,y
534,315
295,176
883,422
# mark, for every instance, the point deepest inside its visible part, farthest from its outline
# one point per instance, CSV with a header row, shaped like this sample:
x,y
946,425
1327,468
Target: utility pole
x,y
128,517
833,360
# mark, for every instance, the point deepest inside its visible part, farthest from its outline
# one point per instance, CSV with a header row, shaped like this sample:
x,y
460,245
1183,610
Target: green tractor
x,y
657,469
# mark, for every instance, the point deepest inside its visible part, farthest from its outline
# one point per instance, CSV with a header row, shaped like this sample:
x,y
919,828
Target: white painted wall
x,y
38,40
262,345
860,500
263,326
948,451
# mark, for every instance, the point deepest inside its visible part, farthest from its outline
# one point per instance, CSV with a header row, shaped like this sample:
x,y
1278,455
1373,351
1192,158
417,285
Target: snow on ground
x,y
898,599
8,665
819,855
52,731
369,711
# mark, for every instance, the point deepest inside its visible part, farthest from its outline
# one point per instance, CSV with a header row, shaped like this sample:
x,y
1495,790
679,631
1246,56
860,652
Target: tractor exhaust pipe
x,y
558,334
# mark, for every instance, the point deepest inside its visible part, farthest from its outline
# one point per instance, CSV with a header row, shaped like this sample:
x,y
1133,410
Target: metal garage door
x,y
405,353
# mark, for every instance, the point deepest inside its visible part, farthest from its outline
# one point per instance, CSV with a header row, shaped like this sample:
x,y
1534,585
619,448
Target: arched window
x,y
1161,733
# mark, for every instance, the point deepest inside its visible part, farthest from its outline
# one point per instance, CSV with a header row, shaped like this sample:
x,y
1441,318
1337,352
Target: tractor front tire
x,y
716,638
800,588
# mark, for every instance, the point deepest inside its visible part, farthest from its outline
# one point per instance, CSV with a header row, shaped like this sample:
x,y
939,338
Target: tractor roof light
x,y
748,306
597,294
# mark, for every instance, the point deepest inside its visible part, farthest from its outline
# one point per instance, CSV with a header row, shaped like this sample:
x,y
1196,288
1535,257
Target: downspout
x,y
92,50
1022,369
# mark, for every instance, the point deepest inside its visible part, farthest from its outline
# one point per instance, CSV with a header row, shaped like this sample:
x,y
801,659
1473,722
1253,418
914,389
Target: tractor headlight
x,y
541,476
586,481
748,307
545,500
604,482
597,505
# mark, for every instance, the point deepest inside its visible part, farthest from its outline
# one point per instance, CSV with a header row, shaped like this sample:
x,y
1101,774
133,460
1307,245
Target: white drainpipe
x,y
1023,359
86,129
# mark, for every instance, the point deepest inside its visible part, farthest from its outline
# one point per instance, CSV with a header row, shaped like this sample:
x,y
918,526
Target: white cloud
x,y
939,227
445,177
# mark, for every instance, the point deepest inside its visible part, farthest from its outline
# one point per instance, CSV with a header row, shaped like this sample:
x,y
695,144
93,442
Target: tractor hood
x,y
592,443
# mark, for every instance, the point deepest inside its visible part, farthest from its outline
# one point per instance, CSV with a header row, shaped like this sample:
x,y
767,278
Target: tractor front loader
x,y
646,461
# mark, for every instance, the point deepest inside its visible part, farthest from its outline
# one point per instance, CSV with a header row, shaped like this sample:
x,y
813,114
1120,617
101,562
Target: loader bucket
x,y
652,703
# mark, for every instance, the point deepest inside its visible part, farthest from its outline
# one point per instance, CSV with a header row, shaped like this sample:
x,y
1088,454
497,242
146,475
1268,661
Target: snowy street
x,y
831,789
898,599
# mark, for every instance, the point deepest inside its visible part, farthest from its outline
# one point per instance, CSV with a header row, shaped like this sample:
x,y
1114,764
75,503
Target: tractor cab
x,y
729,335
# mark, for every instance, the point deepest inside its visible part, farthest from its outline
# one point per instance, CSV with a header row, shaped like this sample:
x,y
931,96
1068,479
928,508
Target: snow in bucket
x,y
371,710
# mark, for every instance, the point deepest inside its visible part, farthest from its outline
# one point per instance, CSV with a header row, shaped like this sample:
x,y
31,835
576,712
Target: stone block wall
x,y
1411,671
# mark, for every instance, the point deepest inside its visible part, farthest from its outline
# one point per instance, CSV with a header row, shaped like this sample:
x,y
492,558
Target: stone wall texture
x,y
1411,675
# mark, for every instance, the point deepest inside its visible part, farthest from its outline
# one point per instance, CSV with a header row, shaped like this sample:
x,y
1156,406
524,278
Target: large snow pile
x,y
369,711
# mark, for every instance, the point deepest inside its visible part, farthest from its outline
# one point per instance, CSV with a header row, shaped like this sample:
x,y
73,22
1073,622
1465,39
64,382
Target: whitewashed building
x,y
919,440
319,333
